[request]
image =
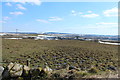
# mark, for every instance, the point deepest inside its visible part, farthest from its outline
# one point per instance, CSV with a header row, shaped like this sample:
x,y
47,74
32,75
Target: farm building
x,y
46,37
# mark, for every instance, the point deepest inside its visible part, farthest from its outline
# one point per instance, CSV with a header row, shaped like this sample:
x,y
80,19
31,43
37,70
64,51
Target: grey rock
x,y
112,68
16,70
1,71
10,66
12,70
5,74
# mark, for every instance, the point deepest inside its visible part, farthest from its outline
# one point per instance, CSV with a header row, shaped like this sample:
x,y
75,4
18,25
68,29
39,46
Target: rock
x,y
112,68
1,71
26,71
26,68
72,67
6,74
16,70
17,67
35,73
12,70
10,66
93,70
48,70
20,78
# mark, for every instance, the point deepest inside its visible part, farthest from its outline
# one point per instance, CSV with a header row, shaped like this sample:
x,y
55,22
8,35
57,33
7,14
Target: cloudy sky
x,y
69,17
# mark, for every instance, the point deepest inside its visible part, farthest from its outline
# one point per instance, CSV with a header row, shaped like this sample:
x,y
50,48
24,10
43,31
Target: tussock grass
x,y
58,54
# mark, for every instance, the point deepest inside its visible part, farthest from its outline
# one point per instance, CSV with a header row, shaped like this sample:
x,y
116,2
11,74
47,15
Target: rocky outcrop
x,y
16,71
12,70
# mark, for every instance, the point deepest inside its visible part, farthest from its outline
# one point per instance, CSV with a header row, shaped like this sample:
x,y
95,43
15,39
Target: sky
x,y
68,17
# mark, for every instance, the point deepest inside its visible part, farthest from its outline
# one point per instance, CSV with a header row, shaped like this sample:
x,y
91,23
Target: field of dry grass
x,y
61,53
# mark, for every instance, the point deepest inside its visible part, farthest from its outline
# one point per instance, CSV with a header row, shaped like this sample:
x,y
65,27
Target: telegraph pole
x,y
17,33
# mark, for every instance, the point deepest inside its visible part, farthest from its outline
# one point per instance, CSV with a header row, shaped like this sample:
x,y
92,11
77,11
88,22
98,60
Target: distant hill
x,y
54,33
66,34
20,32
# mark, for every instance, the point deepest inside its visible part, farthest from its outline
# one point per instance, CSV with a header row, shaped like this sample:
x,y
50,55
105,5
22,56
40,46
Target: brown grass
x,y
60,53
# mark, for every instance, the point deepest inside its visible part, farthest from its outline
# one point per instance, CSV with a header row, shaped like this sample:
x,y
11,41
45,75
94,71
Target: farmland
x,y
58,54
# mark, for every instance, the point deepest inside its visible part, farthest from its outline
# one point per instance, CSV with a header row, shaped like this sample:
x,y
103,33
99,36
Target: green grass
x,y
60,53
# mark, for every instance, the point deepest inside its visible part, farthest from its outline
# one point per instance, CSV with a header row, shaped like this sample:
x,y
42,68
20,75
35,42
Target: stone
x,y
6,74
112,68
35,73
1,71
12,70
16,70
26,68
72,67
20,78
40,68
10,66
16,73
48,70
26,71
17,67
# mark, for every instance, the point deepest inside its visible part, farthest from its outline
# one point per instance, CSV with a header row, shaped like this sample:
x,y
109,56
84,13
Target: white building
x,y
46,37
3,34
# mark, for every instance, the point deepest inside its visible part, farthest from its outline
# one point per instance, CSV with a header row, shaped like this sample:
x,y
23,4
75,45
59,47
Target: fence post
x,y
0,50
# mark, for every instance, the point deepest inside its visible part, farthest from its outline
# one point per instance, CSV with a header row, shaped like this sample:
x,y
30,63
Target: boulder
x,y
16,70
35,73
12,70
6,74
1,71
10,66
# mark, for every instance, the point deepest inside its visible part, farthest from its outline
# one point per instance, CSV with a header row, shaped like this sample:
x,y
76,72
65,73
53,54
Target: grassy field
x,y
60,53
